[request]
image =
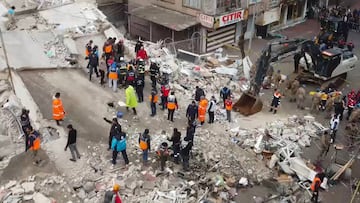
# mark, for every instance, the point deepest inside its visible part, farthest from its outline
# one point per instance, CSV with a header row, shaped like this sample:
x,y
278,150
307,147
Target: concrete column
x,y
285,15
151,34
305,8
203,40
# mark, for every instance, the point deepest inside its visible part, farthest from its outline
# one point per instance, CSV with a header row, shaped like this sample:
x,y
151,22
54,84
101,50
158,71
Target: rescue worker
x,y
224,93
300,94
34,144
185,155
141,70
142,54
93,63
228,107
154,72
171,106
71,143
153,101
165,90
118,144
211,109
114,129
315,186
192,112
324,97
25,123
130,76
316,102
198,93
11,16
277,79
339,107
57,109
144,144
202,109
119,50
163,154
176,144
131,101
293,89
325,145
102,69
113,75
351,97
275,101
113,196
138,45
108,48
140,89
190,132
88,51
122,71
334,125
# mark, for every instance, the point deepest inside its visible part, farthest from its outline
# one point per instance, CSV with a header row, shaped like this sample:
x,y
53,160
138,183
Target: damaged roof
x,y
165,17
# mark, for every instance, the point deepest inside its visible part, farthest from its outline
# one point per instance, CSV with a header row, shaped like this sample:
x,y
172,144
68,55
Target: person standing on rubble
x,y
11,16
108,48
88,51
165,90
315,186
122,71
144,144
300,95
325,145
154,72
334,125
57,109
93,63
102,69
142,54
228,107
71,143
115,129
202,109
190,132
163,154
277,79
351,97
275,103
130,76
199,93
34,144
185,154
140,89
339,107
192,112
113,75
118,144
25,123
131,100
224,93
119,50
138,46
153,101
176,145
113,196
324,97
171,106
212,109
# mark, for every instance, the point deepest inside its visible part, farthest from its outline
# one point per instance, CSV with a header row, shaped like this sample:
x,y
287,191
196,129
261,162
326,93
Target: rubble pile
x,y
57,52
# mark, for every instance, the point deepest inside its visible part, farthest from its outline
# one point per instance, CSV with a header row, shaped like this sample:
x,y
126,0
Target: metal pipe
x,y
7,61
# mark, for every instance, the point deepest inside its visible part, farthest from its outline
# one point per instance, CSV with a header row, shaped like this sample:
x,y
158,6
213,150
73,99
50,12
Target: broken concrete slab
x,y
40,198
71,46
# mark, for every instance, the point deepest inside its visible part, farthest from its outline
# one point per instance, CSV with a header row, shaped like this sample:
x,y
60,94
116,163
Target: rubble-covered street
x,y
260,158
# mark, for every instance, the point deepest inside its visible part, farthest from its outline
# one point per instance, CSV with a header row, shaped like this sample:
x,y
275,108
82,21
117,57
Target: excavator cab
x,y
248,104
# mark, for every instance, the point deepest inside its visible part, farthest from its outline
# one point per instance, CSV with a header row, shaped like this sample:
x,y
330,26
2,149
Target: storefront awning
x,y
165,17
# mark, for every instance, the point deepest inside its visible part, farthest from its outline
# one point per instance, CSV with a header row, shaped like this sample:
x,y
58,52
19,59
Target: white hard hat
x,y
141,60
121,58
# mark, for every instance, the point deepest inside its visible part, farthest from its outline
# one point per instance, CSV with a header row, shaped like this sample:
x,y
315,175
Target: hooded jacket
x,y
131,100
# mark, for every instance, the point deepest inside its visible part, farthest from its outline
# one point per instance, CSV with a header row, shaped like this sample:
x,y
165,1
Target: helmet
x,y
116,187
141,60
122,59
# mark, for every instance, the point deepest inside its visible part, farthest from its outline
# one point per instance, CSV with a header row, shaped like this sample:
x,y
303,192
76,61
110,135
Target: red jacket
x,y
165,91
142,54
351,99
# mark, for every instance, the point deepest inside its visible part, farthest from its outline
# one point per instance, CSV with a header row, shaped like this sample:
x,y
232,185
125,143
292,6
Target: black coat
x,y
93,60
186,150
190,132
176,139
198,93
192,111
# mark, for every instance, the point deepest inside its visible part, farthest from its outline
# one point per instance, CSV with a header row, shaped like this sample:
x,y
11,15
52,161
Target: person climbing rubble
x,y
172,105
275,103
122,71
144,144
58,109
113,196
300,95
165,90
163,154
131,100
118,144
154,72
114,129
34,144
212,109
192,112
228,107
224,93
176,145
202,109
140,88
153,101
315,186
113,75
351,99
334,125
199,92
25,123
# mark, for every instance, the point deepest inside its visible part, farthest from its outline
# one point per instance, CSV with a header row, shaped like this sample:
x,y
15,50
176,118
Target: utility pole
x,y
253,23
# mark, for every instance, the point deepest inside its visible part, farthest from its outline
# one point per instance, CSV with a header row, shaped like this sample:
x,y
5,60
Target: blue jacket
x,y
118,143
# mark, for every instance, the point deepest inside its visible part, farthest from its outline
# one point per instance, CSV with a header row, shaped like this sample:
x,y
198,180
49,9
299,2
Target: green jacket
x,y
131,99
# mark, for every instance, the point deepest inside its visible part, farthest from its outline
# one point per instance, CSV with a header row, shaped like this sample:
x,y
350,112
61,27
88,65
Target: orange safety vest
x,y
228,105
108,48
315,181
36,143
113,75
202,110
171,103
58,109
156,98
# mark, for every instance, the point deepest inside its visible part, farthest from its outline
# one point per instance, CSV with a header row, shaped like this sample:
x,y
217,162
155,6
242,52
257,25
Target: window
x,y
192,3
227,5
274,3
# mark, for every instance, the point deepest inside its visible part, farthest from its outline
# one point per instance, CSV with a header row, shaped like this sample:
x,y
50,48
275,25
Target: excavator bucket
x,y
248,104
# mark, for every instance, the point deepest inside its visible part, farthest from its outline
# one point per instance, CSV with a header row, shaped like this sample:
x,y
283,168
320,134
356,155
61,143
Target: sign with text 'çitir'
x,y
230,18
206,21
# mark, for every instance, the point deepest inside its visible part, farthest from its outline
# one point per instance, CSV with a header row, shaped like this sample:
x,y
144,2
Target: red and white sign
x,y
230,18
206,21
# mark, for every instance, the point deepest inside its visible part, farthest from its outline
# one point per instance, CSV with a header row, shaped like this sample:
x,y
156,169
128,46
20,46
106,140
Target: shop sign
x,y
206,21
230,18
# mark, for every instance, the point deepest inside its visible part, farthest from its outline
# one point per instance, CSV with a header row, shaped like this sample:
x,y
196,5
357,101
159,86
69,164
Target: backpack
x,y
143,143
113,67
